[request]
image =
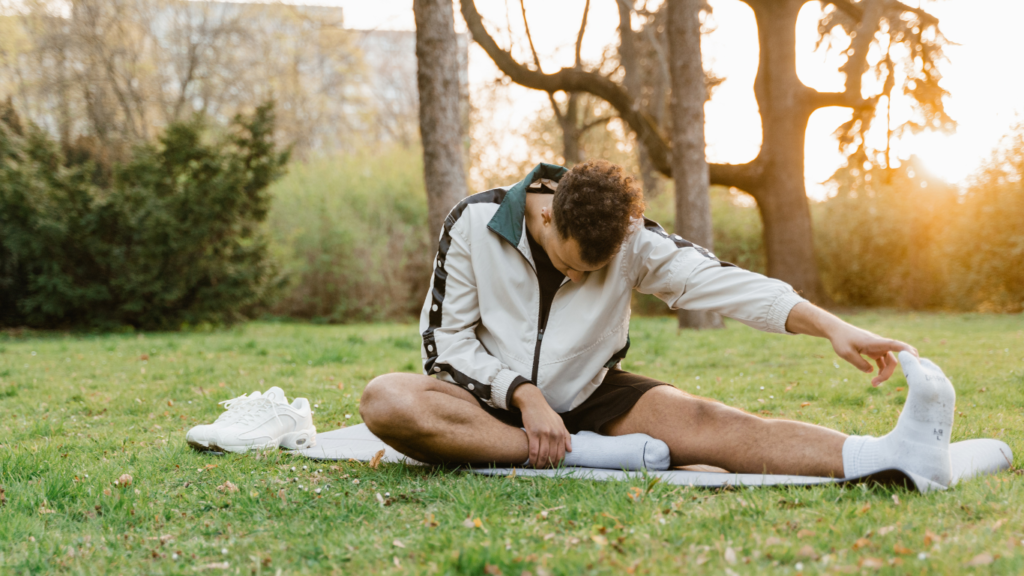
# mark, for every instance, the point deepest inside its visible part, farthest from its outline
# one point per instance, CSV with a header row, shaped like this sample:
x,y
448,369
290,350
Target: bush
x,y
986,248
173,239
352,231
880,240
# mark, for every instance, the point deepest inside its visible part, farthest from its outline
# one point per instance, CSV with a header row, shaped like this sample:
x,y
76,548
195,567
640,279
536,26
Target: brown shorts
x,y
619,392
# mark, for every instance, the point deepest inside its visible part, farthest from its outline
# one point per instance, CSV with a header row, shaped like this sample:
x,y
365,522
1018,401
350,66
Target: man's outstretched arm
x,y
850,342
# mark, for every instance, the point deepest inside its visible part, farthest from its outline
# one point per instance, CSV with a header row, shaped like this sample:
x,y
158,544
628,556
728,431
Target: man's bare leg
x,y
702,431
436,422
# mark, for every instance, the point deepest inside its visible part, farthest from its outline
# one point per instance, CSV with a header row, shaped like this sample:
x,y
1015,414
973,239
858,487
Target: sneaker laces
x,y
257,405
234,407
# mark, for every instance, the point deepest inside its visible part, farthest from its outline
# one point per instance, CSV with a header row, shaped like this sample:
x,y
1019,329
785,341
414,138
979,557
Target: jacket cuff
x,y
779,312
502,387
512,390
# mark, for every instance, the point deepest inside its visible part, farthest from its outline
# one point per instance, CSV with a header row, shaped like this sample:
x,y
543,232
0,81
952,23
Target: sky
x,y
986,95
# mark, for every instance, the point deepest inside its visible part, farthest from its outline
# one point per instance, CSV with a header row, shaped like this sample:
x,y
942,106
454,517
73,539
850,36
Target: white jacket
x,y
480,318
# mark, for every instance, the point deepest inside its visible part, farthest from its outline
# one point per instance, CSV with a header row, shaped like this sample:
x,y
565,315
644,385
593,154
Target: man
x,y
526,323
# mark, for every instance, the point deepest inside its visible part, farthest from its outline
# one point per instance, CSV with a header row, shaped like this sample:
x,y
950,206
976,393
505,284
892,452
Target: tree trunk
x,y
632,81
437,78
785,107
689,164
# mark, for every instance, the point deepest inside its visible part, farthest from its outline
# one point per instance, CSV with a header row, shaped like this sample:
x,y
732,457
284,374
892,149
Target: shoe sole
x,y
291,441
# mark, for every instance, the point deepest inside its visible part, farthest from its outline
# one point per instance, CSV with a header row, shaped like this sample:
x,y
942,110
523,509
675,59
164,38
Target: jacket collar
x,y
508,220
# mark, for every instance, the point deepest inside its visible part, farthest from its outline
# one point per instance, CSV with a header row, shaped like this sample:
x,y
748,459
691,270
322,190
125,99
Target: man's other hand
x,y
849,342
549,440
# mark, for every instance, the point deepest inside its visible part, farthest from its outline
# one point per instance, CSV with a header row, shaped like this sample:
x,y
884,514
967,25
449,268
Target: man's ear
x,y
545,215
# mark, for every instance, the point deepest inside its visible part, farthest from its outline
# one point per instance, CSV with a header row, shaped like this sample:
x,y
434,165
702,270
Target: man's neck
x,y
534,220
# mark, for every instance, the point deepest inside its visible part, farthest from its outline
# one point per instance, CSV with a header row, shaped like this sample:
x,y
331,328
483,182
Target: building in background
x,y
117,72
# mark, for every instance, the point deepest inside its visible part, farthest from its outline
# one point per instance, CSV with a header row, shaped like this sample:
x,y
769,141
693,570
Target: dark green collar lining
x,y
508,220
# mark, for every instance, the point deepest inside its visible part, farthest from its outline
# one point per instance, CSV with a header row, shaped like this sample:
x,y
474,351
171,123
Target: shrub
x,y
985,250
880,239
173,239
352,232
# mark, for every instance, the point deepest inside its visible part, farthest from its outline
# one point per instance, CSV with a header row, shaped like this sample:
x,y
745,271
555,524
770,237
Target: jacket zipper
x,y
540,329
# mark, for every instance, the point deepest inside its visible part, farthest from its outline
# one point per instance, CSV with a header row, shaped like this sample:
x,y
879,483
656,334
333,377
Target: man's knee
x,y
388,404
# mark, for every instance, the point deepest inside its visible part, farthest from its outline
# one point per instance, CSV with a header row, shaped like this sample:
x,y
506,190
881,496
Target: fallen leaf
x,y
875,563
998,524
380,499
806,551
885,530
281,495
44,510
398,563
702,558
144,357
730,555
805,404
804,533
214,566
599,540
983,559
861,543
107,492
930,538
227,486
477,523
901,549
398,544
341,385
864,508
492,570
375,461
896,499
635,494
124,480
468,523
773,541
430,522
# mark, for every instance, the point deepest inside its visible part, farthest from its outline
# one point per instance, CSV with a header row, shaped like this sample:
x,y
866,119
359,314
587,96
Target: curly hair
x,y
594,204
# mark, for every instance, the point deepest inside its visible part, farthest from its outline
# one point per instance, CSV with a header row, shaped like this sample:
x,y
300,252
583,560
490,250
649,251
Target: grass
x,y
78,411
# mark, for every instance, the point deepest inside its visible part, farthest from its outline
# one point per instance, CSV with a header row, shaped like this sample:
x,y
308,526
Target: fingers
x,y
881,346
854,358
534,450
886,366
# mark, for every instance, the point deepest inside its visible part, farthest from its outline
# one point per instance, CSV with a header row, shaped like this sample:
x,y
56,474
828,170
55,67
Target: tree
x,y
689,165
437,77
775,178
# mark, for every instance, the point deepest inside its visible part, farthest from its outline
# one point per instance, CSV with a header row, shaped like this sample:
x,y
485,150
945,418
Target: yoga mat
x,y
970,458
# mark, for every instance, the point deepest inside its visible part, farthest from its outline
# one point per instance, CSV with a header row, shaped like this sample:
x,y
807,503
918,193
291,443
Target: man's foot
x,y
920,441
627,452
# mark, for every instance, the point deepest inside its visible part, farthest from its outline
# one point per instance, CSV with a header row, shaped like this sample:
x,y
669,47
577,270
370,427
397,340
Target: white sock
x,y
920,441
628,452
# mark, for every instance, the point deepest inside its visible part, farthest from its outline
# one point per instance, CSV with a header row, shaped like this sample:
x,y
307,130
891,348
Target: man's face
x,y
565,256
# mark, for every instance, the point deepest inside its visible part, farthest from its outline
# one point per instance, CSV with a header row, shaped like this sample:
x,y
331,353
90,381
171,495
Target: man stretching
x,y
526,323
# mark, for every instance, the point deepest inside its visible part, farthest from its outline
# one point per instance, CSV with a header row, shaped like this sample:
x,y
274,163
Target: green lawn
x,y
79,411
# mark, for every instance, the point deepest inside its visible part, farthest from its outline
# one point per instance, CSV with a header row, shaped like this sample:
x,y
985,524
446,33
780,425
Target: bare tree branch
x,y
571,80
579,37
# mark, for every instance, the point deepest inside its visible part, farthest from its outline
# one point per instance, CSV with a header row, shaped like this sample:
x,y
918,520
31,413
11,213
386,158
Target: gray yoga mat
x,y
971,458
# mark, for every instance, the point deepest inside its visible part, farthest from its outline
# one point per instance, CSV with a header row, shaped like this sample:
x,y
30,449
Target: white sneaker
x,y
267,422
199,436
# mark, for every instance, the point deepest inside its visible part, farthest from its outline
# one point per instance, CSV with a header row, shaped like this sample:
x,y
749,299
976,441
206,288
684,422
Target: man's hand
x,y
848,341
549,440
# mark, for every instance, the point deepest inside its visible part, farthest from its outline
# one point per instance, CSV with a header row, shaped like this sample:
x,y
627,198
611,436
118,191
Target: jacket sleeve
x,y
451,350
689,277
